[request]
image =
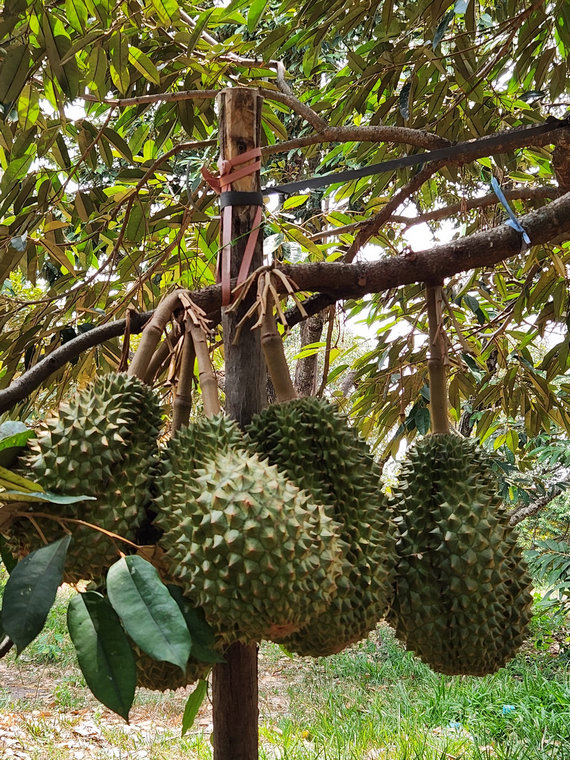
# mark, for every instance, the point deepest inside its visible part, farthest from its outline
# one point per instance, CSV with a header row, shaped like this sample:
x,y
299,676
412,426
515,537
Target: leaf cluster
x,y
137,607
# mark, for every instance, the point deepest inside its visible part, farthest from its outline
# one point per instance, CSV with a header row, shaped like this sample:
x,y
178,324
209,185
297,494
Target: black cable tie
x,y
240,198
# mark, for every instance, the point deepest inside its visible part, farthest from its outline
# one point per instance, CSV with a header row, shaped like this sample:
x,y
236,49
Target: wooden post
x,y
234,683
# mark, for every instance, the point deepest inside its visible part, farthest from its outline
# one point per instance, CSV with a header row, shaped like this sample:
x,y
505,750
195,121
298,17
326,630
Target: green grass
x,y
378,701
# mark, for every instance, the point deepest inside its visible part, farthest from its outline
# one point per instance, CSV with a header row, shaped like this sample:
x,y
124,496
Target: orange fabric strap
x,y
229,174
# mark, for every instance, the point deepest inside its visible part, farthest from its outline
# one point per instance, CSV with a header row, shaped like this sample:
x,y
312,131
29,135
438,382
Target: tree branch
x,y
372,226
527,510
337,281
525,194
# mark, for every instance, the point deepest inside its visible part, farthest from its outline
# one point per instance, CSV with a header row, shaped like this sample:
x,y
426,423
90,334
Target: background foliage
x,y
102,207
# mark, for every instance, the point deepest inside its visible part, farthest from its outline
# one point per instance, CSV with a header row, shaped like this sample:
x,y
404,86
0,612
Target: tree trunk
x,y
306,370
234,686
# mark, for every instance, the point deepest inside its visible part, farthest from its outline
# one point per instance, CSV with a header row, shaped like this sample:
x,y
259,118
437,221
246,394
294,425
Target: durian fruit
x,y
316,449
462,593
164,676
245,544
101,444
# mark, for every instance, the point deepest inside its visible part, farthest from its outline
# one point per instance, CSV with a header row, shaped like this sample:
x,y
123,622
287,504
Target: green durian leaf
x,y
10,428
30,592
11,445
11,480
193,705
52,498
201,632
150,615
103,651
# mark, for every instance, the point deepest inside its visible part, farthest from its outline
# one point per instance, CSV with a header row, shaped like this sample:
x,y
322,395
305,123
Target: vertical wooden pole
x,y
234,683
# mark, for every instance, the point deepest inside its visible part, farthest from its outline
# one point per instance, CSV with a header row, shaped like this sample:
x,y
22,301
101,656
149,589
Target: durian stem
x,y
274,354
437,369
151,335
208,382
182,405
162,354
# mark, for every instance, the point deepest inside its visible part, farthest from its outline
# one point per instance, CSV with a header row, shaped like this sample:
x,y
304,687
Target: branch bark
x,y
527,510
337,281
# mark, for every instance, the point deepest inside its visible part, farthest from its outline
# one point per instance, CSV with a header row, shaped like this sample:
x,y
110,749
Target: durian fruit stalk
x,y
437,365
462,593
207,377
318,451
272,346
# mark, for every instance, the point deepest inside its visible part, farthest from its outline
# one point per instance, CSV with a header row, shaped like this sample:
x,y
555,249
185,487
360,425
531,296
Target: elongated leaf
x,y
51,498
28,107
14,72
442,28
119,68
202,633
103,651
253,15
142,63
119,143
10,428
149,613
11,445
404,100
193,704
11,480
7,558
58,254
76,13
30,592
203,19
136,225
166,10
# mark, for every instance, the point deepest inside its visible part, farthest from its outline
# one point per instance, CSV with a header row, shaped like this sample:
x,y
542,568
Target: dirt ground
x,y
46,713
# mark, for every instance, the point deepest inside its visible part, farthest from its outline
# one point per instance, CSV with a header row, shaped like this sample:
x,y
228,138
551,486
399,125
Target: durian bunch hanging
x,y
283,532
462,592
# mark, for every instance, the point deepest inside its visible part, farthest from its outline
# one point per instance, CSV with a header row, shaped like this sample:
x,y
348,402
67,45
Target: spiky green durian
x,y
318,451
246,545
462,593
101,444
164,676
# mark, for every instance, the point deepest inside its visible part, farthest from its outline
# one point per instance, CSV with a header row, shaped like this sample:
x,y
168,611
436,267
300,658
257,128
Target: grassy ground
x,y
372,701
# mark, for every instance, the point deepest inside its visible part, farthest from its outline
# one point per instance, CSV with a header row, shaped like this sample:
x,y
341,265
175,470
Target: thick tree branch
x,y
338,281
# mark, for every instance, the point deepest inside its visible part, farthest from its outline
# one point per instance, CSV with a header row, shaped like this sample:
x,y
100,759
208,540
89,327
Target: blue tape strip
x,y
513,221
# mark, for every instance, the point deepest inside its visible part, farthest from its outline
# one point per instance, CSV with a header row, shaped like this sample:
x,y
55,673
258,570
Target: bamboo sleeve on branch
x,y
272,346
182,405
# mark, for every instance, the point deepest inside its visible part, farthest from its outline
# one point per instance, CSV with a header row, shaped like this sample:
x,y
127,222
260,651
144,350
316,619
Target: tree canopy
x,y
108,115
